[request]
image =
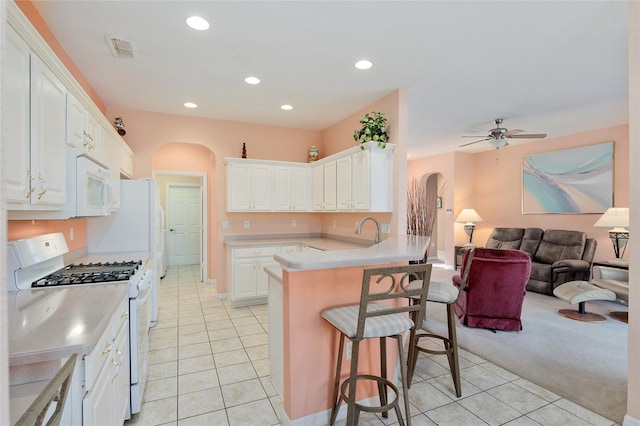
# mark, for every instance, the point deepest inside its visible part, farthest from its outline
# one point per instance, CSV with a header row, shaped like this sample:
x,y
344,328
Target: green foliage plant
x,y
374,128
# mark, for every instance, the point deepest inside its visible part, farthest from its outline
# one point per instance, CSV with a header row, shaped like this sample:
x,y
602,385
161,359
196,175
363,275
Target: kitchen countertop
x,y
394,249
49,324
320,243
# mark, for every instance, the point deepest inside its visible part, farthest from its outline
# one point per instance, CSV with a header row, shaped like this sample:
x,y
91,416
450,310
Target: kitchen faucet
x,y
359,227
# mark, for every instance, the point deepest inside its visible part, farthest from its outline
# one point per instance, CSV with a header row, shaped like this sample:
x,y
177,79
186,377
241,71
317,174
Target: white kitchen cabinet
x,y
249,186
126,159
249,281
15,113
48,154
365,180
83,130
343,188
324,186
34,106
106,400
114,168
291,188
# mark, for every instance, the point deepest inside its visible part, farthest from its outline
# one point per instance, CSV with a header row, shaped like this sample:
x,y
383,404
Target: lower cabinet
x,y
106,400
249,281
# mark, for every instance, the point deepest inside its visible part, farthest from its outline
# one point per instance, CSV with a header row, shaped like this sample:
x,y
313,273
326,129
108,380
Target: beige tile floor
x,y
209,366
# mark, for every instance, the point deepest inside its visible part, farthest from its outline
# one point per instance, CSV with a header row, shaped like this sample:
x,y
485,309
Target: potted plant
x,y
374,128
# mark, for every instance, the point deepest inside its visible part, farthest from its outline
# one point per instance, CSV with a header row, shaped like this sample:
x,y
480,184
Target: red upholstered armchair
x,y
493,288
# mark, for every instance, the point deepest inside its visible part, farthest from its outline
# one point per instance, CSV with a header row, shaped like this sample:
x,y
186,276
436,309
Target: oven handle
x,y
144,295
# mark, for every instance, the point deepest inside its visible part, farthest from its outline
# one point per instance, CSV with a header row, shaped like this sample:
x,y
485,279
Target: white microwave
x,y
94,193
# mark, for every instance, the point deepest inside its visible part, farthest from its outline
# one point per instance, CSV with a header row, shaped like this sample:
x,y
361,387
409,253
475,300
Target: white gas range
x,y
37,263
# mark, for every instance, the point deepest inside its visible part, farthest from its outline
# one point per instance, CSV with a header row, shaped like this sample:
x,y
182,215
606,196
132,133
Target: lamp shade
x,y
468,215
614,217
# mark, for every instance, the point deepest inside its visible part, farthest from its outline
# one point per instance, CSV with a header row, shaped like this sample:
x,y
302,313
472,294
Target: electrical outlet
x,y
225,224
385,228
349,349
71,234
294,223
247,224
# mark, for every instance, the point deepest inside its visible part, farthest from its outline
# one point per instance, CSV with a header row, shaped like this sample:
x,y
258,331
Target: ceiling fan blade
x,y
512,132
473,136
471,143
529,136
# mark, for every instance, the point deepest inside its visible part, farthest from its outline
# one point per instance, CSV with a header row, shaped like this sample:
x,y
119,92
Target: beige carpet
x,y
583,362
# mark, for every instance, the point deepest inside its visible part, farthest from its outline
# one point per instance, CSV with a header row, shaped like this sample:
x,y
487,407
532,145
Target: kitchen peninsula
x,y
302,347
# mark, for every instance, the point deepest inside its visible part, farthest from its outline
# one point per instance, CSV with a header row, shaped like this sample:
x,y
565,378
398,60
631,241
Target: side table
x,y
459,250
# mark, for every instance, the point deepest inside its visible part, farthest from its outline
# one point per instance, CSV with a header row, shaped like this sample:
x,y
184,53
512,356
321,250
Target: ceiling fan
x,y
498,136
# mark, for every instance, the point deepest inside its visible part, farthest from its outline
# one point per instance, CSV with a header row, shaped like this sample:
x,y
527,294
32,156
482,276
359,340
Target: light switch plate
x,y
247,224
225,224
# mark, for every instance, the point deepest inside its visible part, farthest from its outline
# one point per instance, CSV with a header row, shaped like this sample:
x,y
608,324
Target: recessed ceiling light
x,y
286,107
190,105
197,23
252,80
364,64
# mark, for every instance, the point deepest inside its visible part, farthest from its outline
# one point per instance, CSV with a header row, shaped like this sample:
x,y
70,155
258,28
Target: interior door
x,y
184,219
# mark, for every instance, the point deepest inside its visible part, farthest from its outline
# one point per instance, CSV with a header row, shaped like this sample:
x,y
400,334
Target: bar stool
x,y
447,294
373,318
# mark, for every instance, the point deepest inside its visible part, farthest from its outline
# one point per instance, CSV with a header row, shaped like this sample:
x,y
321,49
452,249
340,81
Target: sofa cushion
x,y
530,240
505,238
560,244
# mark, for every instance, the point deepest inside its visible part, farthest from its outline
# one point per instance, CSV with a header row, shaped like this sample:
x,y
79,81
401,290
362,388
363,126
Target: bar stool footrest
x,y
447,343
381,381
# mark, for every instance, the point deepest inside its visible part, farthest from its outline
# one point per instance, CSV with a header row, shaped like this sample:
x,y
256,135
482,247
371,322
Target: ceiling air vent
x,y
120,48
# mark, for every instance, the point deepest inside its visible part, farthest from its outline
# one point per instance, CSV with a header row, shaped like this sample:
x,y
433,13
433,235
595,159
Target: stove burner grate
x,y
90,273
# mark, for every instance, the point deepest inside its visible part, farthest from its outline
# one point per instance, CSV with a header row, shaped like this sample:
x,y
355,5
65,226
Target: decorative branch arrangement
x,y
422,207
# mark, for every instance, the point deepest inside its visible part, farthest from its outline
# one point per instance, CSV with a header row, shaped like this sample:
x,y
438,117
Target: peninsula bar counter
x,y
302,346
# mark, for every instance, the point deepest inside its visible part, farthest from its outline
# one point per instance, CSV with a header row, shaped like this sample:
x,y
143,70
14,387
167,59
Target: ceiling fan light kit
x,y
498,136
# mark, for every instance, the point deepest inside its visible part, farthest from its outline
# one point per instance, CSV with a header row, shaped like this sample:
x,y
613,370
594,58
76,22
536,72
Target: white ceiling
x,y
555,67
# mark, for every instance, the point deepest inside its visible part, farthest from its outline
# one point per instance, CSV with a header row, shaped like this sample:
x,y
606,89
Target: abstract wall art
x,y
576,180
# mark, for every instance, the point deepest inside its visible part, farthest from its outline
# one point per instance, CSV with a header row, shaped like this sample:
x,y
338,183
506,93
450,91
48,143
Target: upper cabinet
x,y
351,180
83,130
291,188
51,119
34,103
249,186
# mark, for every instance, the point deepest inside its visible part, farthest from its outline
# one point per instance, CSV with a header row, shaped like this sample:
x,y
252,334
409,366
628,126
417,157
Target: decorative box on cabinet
x,y
35,105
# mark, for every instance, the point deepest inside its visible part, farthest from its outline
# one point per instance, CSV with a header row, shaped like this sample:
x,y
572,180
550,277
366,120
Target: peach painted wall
x,y
494,188
32,14
28,228
190,140
340,137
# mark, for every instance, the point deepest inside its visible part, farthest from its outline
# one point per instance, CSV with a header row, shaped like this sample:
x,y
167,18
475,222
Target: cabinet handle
x,y
29,192
40,194
113,379
124,314
117,364
43,186
118,352
106,350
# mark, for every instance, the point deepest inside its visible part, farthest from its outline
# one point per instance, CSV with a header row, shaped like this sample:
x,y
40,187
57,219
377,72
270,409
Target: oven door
x,y
139,322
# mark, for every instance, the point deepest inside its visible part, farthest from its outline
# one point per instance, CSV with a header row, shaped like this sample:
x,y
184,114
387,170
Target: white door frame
x,y
204,234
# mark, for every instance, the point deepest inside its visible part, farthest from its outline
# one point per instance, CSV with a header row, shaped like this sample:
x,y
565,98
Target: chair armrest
x,y
457,280
606,273
571,264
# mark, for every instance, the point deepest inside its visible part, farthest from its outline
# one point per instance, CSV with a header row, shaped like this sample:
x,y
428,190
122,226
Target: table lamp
x,y
468,217
618,219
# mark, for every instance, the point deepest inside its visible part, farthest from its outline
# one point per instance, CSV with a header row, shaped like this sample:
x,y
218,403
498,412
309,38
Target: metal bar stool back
x,y
448,294
381,313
